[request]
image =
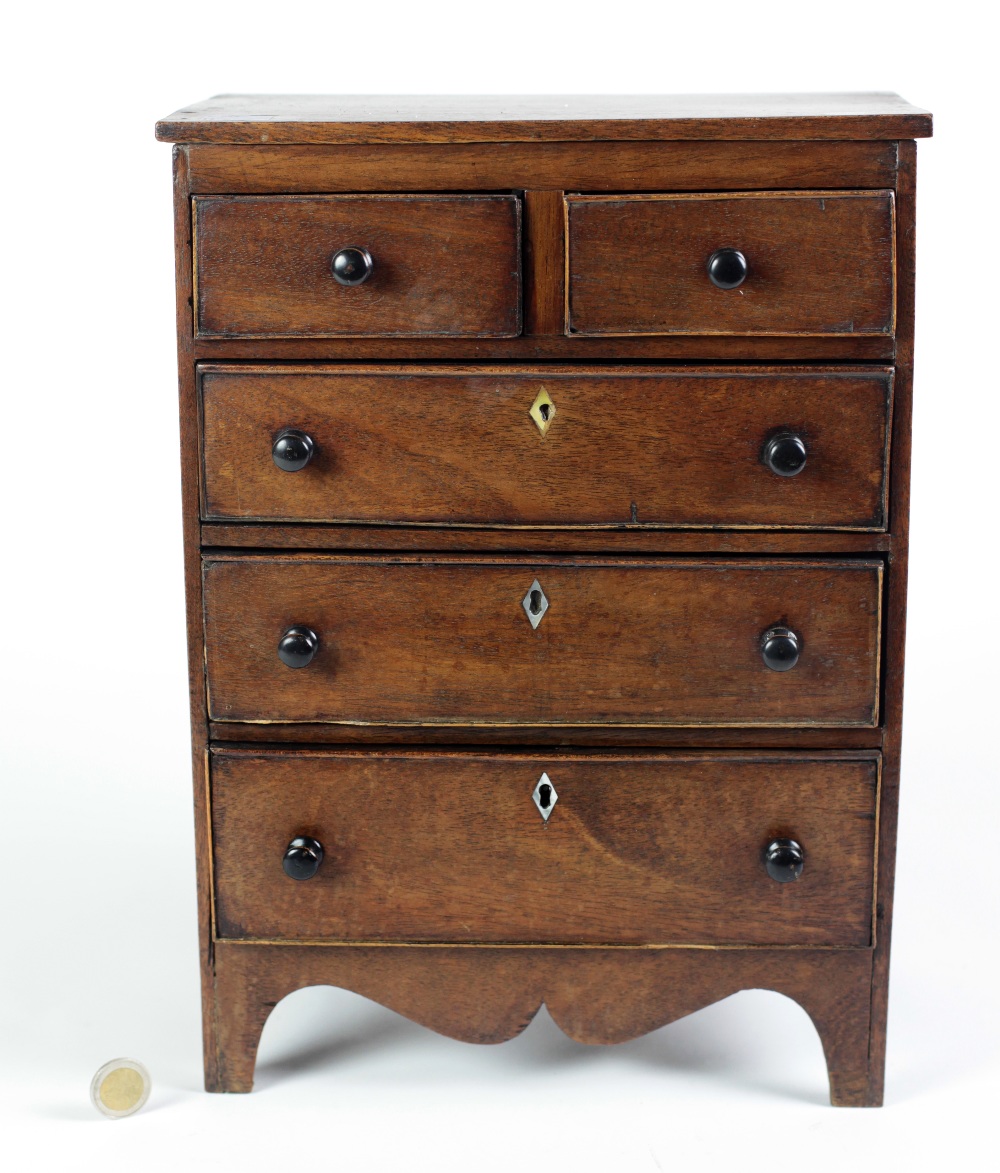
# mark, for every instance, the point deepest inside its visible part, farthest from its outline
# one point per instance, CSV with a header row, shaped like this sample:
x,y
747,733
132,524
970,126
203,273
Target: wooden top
x,y
316,118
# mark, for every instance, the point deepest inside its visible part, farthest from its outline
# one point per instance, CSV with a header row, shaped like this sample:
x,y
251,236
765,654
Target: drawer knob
x,y
727,268
780,648
298,646
292,450
785,454
784,860
352,266
302,858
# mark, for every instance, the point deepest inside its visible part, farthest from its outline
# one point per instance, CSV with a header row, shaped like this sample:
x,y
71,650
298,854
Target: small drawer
x,y
508,641
617,849
294,266
813,263
557,446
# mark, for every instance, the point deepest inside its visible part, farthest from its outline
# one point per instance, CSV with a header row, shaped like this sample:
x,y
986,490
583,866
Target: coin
x,y
120,1088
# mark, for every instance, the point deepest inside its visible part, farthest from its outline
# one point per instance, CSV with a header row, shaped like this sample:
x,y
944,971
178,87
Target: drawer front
x,y
445,265
547,447
819,263
451,641
636,850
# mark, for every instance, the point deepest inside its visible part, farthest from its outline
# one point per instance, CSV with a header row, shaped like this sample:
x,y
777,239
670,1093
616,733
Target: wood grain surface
x,y
895,639
430,445
446,641
545,263
596,996
555,166
596,737
819,263
372,118
452,848
589,349
446,265
618,539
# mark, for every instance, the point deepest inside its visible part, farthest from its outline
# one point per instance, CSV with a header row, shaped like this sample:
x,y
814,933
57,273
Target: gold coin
x,y
120,1088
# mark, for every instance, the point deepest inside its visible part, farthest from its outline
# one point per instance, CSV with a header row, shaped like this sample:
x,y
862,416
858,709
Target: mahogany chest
x,y
546,470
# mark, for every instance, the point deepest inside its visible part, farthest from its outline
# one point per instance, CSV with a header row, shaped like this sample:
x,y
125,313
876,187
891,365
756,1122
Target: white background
x,y
98,953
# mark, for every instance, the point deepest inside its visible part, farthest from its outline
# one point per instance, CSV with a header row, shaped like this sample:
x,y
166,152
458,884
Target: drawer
x,y
509,641
819,263
445,265
545,446
636,849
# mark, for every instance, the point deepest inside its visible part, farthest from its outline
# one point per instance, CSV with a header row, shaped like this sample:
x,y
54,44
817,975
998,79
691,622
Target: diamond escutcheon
x,y
535,603
542,411
544,796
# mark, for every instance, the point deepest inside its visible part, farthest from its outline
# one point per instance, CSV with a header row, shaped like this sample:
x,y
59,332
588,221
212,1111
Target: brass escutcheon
x,y
542,411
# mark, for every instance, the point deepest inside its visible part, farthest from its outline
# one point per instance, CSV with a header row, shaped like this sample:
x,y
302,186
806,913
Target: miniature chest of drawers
x,y
546,469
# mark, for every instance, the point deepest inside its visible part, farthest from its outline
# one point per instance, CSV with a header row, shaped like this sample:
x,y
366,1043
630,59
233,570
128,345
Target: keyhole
x,y
543,411
535,602
545,796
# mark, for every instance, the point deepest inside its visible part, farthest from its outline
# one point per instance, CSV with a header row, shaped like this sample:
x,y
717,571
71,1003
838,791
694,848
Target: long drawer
x,y
293,266
628,849
510,641
547,446
783,263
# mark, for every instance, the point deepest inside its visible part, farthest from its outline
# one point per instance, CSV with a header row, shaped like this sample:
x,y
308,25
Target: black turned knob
x,y
292,450
302,858
297,646
780,648
785,454
352,266
727,268
784,860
